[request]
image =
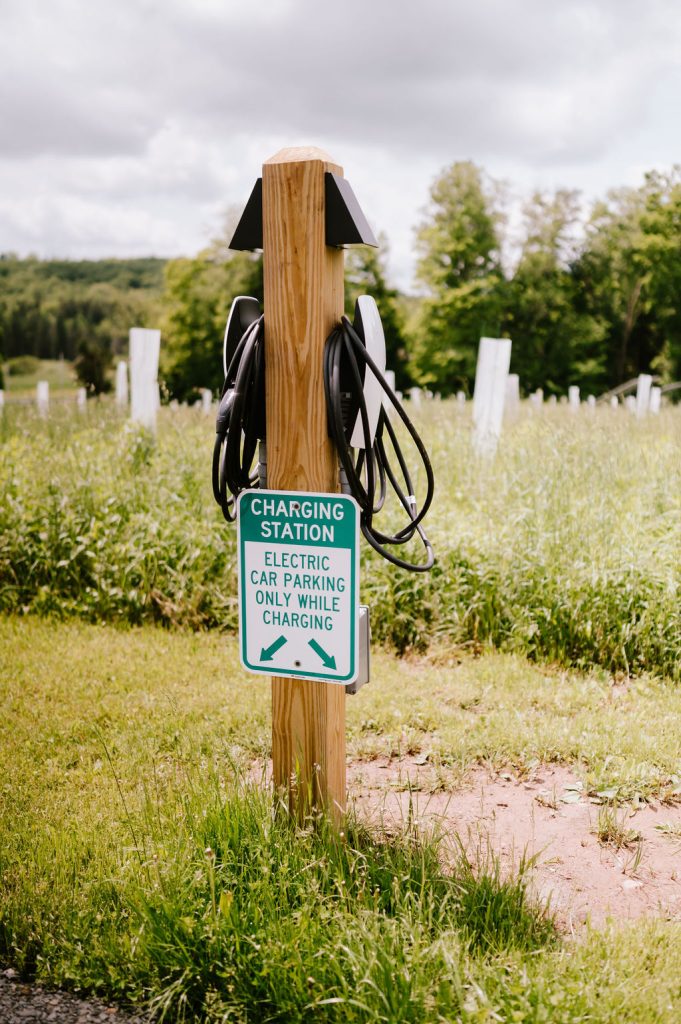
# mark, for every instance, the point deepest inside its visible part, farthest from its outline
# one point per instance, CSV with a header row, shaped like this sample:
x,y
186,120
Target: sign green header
x,y
298,519
299,584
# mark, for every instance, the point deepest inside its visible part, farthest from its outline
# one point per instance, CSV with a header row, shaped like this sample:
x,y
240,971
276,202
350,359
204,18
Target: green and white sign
x,y
299,584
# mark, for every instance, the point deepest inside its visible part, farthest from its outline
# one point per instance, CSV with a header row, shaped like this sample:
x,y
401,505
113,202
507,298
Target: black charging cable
x,y
366,474
240,421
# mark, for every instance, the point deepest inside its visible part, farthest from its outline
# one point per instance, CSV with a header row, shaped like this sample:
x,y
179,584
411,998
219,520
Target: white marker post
x,y
645,382
145,345
461,397
415,397
655,400
122,385
573,397
512,399
614,402
494,359
42,397
81,398
591,401
537,398
206,400
2,399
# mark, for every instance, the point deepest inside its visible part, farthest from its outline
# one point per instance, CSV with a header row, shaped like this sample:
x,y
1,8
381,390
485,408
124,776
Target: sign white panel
x,y
299,584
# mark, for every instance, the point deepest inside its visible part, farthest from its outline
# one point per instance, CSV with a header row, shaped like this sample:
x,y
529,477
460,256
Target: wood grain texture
x,y
303,300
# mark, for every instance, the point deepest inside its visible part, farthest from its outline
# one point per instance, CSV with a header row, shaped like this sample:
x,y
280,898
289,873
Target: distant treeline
x,y
81,310
591,297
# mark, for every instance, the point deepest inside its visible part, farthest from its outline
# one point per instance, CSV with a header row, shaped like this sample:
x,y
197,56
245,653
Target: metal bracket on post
x,y
364,652
344,222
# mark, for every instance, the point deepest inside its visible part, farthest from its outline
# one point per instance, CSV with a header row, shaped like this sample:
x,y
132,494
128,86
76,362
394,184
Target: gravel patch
x,y
21,1003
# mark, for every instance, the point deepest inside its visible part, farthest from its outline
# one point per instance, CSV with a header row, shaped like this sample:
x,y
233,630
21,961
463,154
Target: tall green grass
x,y
205,903
564,547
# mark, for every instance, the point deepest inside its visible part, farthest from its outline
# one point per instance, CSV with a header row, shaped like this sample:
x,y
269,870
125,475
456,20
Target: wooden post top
x,y
301,154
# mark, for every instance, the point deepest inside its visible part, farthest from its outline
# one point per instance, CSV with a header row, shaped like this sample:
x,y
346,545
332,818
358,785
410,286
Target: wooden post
x,y
303,280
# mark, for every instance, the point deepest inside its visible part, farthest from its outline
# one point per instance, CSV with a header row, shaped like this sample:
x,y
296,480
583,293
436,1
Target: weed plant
x,y
565,547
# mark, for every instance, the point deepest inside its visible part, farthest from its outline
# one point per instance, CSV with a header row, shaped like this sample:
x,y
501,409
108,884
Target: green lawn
x,y
58,373
138,860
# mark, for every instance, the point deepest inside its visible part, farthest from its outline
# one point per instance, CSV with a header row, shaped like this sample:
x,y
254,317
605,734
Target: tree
x,y
459,267
197,297
50,307
365,275
555,342
661,245
92,365
613,275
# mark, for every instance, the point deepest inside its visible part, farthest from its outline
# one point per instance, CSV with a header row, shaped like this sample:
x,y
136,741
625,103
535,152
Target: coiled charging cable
x,y
365,475
240,421
365,472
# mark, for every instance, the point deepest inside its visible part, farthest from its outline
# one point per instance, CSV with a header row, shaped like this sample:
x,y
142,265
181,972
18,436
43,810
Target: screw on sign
x,y
298,584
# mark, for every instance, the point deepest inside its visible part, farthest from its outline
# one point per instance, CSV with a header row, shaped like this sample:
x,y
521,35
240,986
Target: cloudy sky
x,y
129,127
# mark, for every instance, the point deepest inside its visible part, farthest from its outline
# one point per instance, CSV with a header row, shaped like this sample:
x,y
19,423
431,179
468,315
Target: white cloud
x,y
134,124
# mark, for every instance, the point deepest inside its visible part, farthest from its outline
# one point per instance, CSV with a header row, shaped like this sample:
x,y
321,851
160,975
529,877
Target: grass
x,y
565,549
139,859
187,692
612,829
57,372
672,831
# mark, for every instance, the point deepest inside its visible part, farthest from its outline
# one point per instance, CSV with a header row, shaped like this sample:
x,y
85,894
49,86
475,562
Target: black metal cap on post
x,y
248,234
345,224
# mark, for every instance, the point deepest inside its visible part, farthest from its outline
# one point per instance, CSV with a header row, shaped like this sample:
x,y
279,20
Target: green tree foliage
x,y
613,273
92,366
594,304
555,340
661,228
365,274
198,295
630,275
459,267
74,309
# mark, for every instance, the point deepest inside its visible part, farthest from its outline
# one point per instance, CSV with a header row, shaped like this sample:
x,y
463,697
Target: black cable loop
x,y
372,466
367,472
236,441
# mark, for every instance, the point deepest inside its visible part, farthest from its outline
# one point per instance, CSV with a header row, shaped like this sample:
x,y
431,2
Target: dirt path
x,y
548,817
